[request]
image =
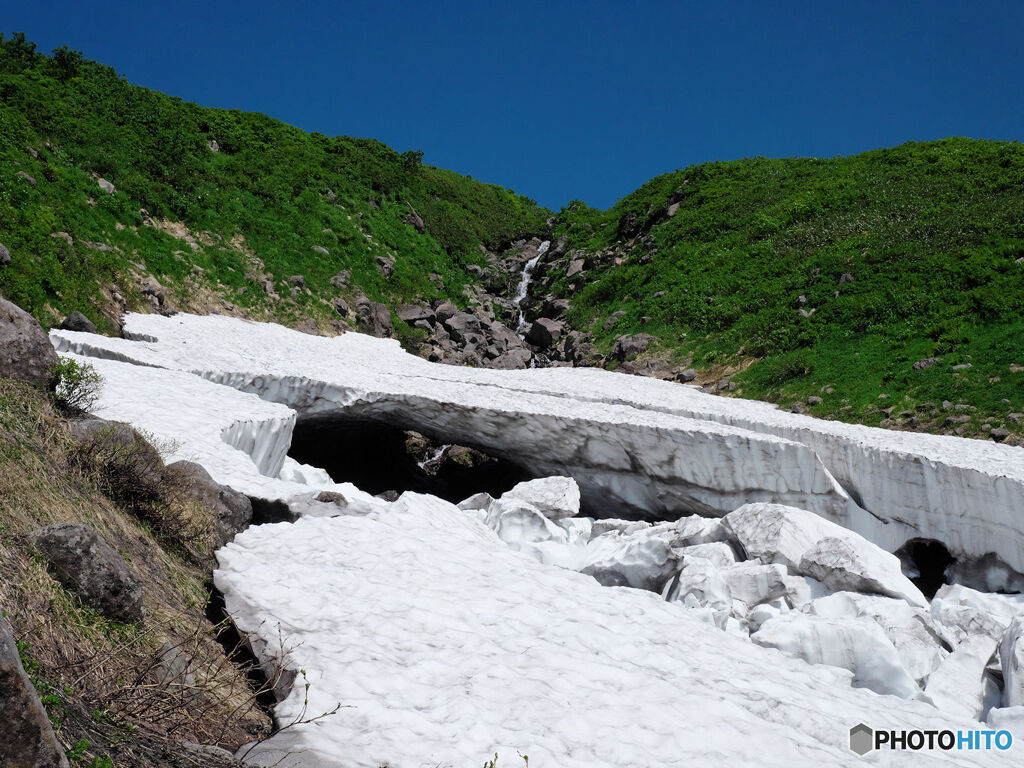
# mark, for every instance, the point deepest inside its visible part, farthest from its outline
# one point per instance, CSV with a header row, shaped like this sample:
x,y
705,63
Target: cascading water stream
x,y
524,285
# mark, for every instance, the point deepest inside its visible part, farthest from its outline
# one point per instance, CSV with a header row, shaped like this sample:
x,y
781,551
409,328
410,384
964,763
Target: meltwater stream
x,y
524,285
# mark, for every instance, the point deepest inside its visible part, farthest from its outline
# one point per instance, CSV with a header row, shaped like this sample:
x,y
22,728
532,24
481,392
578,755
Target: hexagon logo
x,y
862,739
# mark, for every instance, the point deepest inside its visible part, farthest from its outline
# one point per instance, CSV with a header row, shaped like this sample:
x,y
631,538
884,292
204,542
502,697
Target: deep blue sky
x,y
571,100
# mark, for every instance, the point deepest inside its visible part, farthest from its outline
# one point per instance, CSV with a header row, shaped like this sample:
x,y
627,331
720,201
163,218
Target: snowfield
x,y
757,628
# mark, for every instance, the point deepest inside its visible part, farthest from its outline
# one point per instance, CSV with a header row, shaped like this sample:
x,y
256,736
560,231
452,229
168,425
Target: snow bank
x,y
636,446
446,646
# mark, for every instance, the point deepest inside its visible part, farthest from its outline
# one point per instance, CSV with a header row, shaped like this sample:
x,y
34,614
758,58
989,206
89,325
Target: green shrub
x,y
75,386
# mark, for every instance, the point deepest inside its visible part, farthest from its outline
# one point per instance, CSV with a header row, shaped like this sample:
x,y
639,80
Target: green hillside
x,y
274,190
788,280
894,256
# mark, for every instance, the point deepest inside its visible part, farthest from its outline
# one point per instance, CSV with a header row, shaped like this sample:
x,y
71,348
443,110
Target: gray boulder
x,y
575,267
445,310
412,218
410,313
342,279
613,318
26,177
233,510
26,353
106,186
87,566
688,375
385,265
5,255
544,332
27,739
341,306
627,347
515,358
76,321
464,328
321,250
299,281
373,318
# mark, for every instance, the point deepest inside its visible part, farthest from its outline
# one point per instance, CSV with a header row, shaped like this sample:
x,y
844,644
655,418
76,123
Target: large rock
x,y
410,313
373,318
121,449
26,353
627,347
544,332
27,739
464,328
960,686
5,255
87,566
413,219
76,321
857,645
554,497
1011,656
232,510
851,563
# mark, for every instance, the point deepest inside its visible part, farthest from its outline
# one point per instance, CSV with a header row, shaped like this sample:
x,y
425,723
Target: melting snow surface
x,y
446,646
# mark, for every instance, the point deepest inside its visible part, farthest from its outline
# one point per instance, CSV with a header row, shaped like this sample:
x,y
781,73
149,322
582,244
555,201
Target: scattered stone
x,y
232,510
26,353
321,250
101,247
26,738
63,236
150,286
962,367
927,362
332,497
87,566
26,177
76,321
342,279
999,434
340,306
685,376
106,186
544,332
299,281
412,218
213,145
385,265
373,318
845,278
410,313
671,210
814,400
612,319
627,347
576,267
5,255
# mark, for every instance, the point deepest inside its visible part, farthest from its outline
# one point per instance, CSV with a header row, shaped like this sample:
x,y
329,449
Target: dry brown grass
x,y
90,664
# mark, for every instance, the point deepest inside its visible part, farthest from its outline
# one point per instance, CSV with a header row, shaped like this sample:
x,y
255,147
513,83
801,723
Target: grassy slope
x,y
268,183
97,677
932,233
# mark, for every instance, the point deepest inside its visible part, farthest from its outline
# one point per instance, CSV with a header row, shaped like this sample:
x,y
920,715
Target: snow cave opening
x,y
925,562
380,457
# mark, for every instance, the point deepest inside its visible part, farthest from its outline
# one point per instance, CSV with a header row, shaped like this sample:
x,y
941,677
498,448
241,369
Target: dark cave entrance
x,y
925,562
378,457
